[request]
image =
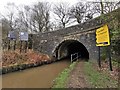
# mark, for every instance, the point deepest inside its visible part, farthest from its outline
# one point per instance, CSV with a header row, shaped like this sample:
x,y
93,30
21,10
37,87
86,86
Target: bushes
x,y
12,57
116,47
15,61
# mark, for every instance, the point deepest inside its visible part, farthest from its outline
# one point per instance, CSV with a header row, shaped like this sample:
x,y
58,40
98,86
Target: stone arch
x,y
68,47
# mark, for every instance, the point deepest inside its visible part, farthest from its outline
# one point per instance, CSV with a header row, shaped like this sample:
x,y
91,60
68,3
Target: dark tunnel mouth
x,y
68,47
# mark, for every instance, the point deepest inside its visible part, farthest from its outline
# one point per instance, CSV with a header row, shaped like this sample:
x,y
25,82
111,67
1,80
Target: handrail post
x,y
75,54
71,58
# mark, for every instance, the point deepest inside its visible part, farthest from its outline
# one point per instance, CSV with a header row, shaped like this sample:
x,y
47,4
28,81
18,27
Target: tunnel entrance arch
x,y
68,47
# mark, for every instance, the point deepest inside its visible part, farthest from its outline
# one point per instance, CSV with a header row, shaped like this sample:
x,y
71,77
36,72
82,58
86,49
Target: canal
x,y
38,77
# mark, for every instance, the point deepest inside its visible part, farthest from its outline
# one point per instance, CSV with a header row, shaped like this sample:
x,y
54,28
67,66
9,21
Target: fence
x,y
8,44
74,57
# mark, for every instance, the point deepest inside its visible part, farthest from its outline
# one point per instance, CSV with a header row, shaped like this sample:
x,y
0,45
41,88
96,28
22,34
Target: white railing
x,y
74,55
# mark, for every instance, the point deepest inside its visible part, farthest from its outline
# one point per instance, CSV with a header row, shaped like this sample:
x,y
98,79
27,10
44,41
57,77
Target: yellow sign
x,y
102,36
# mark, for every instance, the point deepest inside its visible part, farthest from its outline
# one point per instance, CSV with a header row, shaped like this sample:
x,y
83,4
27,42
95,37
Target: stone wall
x,y
84,33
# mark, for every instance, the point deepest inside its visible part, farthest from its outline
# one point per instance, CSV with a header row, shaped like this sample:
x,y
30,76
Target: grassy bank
x,y
61,80
98,79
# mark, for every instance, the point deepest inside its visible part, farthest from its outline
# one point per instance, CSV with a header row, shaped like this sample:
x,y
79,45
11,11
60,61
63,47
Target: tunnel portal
x,y
68,47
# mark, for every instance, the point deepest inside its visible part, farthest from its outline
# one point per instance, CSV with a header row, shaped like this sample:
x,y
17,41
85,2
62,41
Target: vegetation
x,y
98,79
61,81
112,19
15,61
15,57
95,77
36,18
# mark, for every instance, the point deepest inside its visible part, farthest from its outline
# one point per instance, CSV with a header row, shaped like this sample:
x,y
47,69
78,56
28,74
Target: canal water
x,y
38,77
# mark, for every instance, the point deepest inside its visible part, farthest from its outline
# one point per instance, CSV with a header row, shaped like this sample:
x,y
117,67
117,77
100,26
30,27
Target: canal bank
x,y
15,61
62,79
38,77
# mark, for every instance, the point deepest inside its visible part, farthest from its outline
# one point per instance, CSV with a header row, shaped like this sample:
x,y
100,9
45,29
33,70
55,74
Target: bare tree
x,y
47,16
105,7
26,21
5,28
77,12
61,10
10,17
24,18
90,12
102,8
110,6
40,16
81,12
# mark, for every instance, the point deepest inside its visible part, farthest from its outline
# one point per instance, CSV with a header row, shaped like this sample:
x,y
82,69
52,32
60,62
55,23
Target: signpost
x,y
102,36
103,39
23,37
12,35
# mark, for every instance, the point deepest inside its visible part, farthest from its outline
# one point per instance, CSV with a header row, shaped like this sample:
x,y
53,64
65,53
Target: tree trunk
x,y
101,3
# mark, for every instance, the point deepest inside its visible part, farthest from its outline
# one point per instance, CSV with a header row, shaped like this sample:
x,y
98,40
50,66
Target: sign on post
x,y
23,36
12,35
103,39
102,36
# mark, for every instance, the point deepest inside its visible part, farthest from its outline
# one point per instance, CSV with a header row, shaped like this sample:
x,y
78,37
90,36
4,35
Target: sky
x,y
3,3
29,2
4,10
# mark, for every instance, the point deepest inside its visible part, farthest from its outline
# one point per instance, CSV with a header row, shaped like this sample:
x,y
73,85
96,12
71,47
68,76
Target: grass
x,y
61,80
97,79
115,63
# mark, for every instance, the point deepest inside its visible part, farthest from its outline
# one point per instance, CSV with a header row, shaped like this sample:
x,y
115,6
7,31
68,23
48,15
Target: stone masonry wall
x,y
84,33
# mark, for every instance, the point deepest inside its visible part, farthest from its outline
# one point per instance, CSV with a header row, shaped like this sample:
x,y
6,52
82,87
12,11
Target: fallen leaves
x,y
14,57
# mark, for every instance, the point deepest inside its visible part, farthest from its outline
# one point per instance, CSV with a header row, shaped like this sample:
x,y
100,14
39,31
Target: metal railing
x,y
74,57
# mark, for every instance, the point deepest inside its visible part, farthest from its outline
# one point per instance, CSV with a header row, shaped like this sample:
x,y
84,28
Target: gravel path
x,y
77,78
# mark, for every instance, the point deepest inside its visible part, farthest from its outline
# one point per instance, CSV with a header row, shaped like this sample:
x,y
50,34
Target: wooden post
x,y
20,46
26,46
8,44
14,45
109,57
109,53
99,61
31,43
71,58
